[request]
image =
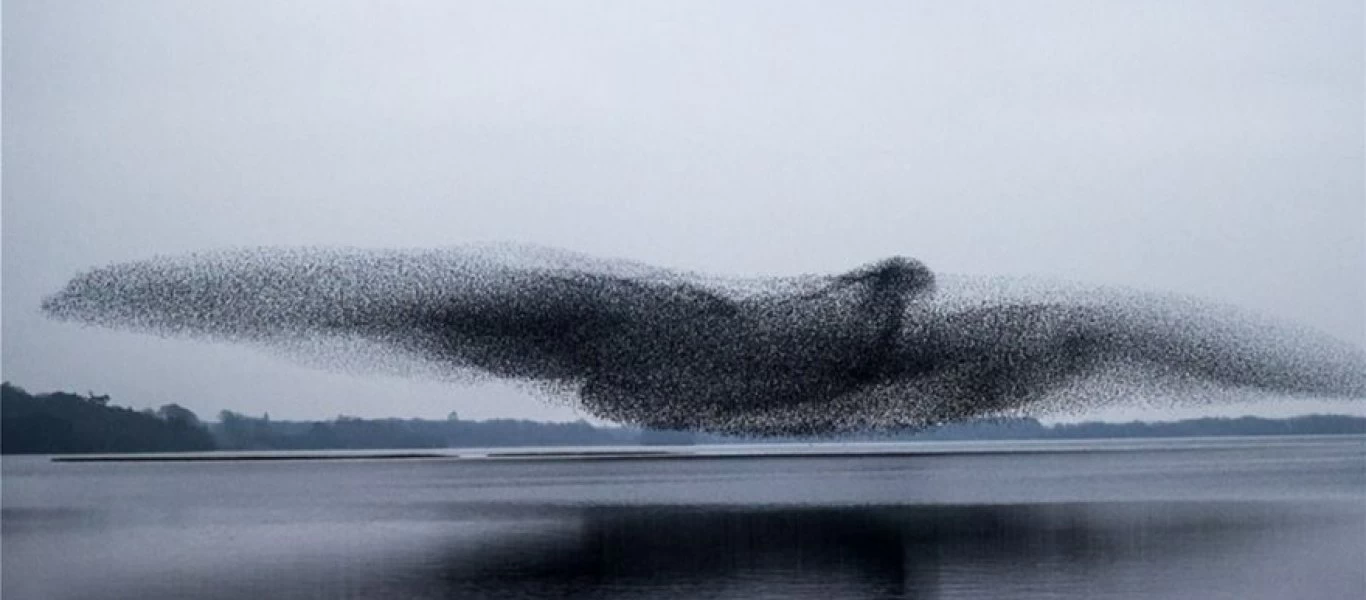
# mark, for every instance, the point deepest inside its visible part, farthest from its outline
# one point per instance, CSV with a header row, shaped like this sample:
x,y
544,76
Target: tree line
x,y
242,432
62,423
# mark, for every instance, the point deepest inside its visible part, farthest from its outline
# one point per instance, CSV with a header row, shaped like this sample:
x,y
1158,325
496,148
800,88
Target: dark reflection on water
x,y
1115,550
675,551
1237,520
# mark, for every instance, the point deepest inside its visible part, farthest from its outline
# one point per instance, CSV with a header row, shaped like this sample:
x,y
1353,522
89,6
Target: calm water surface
x,y
1231,518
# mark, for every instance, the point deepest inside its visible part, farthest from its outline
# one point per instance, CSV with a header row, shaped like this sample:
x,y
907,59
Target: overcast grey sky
x,y
1208,148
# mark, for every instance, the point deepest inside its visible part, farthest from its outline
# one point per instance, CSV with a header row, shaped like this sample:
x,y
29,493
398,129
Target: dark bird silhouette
x,y
885,345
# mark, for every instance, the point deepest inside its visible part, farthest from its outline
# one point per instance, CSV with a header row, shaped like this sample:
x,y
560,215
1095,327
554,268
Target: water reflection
x,y
1236,521
1115,550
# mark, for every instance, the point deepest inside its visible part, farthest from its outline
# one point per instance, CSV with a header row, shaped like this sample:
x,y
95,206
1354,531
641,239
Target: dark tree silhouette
x,y
68,423
61,422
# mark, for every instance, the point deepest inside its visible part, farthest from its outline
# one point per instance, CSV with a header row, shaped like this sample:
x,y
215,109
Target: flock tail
x,y
883,346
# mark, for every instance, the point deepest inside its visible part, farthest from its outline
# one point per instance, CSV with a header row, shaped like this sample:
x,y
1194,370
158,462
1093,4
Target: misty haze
x,y
678,299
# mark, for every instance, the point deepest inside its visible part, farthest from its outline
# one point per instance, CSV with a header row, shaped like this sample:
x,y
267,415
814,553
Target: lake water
x,y
1229,518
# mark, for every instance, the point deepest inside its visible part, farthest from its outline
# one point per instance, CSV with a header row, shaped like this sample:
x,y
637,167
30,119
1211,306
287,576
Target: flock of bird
x,y
887,345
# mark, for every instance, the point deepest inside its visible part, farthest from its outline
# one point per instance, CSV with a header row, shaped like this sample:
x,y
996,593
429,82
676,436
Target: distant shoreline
x,y
62,423
816,450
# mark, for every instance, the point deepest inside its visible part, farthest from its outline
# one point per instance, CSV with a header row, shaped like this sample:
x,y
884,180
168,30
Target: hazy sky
x,y
1208,148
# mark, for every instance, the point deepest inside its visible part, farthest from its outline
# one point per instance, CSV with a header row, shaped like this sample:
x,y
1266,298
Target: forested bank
x,y
63,423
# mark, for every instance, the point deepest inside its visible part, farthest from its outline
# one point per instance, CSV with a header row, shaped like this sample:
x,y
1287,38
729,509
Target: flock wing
x,y
886,345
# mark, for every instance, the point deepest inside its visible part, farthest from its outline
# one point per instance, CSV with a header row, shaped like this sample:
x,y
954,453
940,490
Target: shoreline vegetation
x,y
66,423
